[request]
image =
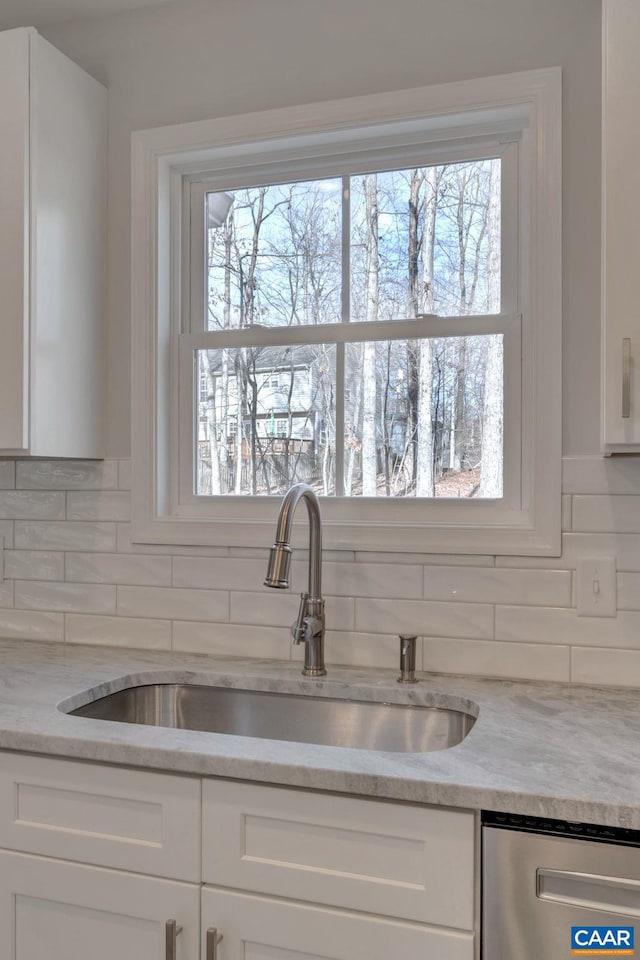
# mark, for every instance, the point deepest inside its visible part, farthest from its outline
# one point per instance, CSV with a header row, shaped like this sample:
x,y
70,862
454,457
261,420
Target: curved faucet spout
x,y
280,555
309,627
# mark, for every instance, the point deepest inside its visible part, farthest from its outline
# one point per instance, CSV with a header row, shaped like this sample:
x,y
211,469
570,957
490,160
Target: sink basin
x,y
362,724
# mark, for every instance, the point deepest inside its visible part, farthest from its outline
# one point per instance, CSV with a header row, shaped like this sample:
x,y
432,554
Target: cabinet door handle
x,y
626,378
213,939
171,931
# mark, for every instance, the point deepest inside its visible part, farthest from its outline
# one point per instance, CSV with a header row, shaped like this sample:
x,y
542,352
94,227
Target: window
x,y
362,298
386,414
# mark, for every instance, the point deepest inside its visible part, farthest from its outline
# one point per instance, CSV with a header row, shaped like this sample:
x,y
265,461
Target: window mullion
x,y
410,329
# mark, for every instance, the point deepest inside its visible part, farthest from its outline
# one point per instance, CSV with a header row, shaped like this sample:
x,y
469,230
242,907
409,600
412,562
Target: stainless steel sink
x,y
280,716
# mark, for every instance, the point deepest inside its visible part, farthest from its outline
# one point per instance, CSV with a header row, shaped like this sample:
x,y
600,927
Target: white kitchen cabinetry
x,y
400,860
621,227
68,911
52,251
260,928
278,872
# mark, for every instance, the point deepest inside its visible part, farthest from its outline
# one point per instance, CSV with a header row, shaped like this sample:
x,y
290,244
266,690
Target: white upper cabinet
x,y
621,227
52,251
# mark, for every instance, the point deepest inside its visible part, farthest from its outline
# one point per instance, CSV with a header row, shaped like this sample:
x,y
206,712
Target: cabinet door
x,y
63,911
259,928
14,238
621,227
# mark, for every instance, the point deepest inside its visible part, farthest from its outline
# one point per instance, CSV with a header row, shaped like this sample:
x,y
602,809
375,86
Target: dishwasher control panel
x,y
561,828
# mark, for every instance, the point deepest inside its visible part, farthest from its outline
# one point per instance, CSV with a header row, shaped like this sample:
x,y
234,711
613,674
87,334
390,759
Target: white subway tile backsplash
x,y
72,572
33,565
628,594
65,535
224,573
611,476
232,573
301,552
66,597
424,618
279,608
250,553
600,514
492,658
27,625
173,604
7,474
553,625
231,640
594,665
32,505
118,631
491,585
6,593
124,475
356,649
624,546
99,505
394,581
438,559
6,532
127,545
67,474
135,569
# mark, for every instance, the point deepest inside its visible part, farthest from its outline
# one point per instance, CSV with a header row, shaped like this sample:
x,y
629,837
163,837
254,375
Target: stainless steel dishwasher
x,y
554,889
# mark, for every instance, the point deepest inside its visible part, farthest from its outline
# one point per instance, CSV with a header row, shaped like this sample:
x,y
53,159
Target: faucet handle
x,y
298,628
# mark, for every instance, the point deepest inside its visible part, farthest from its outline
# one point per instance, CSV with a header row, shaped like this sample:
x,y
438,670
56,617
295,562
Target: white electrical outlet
x,y
596,587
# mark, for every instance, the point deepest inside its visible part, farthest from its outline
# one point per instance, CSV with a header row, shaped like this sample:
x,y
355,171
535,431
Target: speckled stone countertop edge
x,y
538,749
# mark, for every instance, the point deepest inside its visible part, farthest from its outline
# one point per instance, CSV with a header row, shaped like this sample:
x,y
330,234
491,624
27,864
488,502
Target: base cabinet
x,y
66,911
261,928
95,860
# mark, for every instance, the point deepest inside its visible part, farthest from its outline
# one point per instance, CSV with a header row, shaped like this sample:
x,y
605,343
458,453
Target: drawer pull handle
x,y
171,931
626,378
213,939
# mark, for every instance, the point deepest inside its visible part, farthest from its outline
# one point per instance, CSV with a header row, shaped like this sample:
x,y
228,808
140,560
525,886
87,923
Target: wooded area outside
x,y
397,417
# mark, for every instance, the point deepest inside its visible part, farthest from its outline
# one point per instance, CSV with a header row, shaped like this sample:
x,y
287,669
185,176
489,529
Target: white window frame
x,y
523,108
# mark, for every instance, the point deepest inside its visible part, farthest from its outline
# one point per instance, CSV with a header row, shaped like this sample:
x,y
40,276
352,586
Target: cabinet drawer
x,y
398,860
128,819
257,928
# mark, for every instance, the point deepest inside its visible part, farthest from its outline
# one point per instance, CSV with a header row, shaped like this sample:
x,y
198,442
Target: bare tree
x,y
369,392
425,467
491,472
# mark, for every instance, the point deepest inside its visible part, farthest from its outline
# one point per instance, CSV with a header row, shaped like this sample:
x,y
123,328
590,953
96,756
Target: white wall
x,y
198,59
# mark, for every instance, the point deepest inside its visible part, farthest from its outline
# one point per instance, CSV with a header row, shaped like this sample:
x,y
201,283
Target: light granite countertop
x,y
552,750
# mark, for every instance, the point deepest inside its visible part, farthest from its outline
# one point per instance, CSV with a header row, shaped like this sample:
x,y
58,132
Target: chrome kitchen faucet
x,y
309,627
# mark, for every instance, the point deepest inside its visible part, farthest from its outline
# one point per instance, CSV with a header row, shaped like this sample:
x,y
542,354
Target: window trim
x,y
163,157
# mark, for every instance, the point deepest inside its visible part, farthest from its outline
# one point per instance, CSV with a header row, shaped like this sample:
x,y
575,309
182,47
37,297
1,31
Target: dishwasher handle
x,y
590,891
